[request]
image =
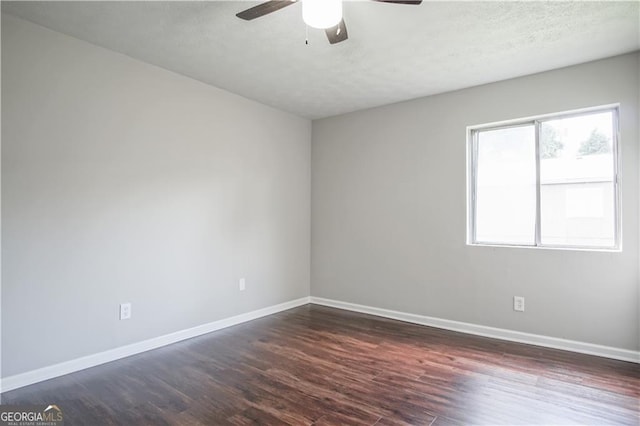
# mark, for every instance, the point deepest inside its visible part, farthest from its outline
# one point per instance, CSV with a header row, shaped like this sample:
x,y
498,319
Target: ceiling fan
x,y
322,14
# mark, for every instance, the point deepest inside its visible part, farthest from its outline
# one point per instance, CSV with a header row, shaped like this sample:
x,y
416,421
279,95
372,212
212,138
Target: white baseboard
x,y
481,330
50,372
45,373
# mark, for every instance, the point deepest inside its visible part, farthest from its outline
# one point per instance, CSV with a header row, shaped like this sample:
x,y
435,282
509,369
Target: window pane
x,y
576,181
506,186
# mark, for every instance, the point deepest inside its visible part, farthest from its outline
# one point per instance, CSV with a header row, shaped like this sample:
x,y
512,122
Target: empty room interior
x,y
320,212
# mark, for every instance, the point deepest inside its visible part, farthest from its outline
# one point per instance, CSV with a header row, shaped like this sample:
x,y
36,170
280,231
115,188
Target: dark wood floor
x,y
323,366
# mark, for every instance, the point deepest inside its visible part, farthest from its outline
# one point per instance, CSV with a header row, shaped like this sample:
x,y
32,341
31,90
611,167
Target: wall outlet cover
x,y
518,303
125,311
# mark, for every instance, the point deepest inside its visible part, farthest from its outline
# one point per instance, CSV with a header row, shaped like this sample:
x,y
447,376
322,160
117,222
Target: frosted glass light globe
x,y
321,13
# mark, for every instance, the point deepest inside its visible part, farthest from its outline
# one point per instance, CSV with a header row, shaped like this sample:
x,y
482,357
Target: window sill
x,y
587,249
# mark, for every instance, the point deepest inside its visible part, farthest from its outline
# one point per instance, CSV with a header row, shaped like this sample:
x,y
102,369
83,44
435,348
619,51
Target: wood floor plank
x,y
337,419
320,366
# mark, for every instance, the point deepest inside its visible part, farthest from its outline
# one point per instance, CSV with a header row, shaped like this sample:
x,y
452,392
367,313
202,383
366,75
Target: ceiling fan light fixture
x,y
322,14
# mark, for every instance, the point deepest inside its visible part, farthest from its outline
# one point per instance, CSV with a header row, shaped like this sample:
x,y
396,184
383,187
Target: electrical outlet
x,y
125,311
242,284
518,303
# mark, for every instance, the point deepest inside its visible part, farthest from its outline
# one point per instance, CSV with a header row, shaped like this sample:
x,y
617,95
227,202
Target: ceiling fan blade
x,y
413,2
338,33
264,9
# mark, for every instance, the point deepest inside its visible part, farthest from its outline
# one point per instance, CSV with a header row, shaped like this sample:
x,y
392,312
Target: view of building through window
x,y
565,195
577,202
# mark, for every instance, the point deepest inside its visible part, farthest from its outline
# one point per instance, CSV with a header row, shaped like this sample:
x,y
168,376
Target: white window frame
x,y
472,168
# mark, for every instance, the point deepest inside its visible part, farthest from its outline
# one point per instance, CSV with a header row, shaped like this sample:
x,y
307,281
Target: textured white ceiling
x,y
394,52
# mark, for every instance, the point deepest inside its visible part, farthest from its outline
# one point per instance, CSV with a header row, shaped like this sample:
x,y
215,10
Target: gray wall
x,y
389,213
122,182
1,375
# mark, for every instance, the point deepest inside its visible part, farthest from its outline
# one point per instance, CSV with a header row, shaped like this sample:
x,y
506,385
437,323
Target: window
x,y
546,182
